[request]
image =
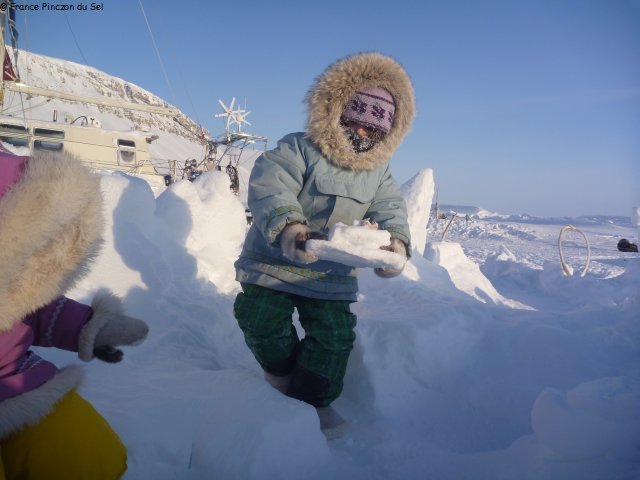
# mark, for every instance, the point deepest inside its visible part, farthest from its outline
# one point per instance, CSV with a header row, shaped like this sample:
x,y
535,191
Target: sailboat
x,y
81,136
129,151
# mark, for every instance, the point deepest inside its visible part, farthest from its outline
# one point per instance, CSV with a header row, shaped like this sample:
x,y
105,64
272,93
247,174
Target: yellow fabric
x,y
73,442
2,477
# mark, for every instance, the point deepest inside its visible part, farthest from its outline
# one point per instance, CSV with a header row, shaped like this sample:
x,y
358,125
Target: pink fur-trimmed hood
x,y
50,225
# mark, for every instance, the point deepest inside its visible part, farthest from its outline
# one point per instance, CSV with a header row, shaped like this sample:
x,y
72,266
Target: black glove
x,y
108,354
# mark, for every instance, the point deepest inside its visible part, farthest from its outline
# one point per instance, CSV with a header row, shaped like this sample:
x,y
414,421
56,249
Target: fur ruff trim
x,y
31,407
50,225
335,87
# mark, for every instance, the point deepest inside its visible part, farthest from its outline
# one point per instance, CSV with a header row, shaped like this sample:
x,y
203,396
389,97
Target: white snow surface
x,y
484,362
449,379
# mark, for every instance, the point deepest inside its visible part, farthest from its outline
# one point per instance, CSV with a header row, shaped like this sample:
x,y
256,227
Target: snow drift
x,y
448,378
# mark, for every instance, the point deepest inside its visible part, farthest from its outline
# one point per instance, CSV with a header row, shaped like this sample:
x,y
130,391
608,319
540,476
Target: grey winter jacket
x,y
317,178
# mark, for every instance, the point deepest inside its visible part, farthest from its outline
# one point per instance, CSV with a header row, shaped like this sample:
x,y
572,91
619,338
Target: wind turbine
x,y
228,111
240,119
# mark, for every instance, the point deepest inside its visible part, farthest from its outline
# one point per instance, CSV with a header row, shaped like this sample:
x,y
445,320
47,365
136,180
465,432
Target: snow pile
x,y
591,420
195,208
357,245
465,274
447,379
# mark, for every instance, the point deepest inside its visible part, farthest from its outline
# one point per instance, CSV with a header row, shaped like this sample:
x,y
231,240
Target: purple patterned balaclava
x,y
372,107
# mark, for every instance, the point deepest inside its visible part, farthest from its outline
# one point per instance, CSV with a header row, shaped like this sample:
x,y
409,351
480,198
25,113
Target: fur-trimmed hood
x,y
50,226
334,88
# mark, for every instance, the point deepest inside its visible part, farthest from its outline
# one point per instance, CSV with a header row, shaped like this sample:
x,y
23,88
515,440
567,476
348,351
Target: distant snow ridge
x,y
473,212
474,227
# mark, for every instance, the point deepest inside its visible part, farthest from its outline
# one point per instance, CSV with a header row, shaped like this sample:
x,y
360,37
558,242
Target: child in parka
x,y
50,225
359,110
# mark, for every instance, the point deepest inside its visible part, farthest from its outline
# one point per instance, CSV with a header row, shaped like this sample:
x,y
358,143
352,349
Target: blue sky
x,y
523,106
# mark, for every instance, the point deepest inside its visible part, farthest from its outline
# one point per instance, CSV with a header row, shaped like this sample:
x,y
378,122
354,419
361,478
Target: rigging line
x,y
24,110
193,107
247,158
14,45
16,109
153,40
86,62
13,31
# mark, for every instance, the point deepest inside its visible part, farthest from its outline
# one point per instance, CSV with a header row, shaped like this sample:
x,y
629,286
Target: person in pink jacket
x,y
50,227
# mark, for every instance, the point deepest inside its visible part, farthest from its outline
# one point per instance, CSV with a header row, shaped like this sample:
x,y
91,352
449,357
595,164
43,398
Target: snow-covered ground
x,y
484,362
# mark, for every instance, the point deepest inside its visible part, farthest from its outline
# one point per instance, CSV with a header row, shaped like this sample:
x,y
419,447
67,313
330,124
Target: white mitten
x,y
109,327
396,246
293,239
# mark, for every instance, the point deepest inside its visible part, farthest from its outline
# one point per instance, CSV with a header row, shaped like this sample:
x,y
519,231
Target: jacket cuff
x,y
279,218
59,323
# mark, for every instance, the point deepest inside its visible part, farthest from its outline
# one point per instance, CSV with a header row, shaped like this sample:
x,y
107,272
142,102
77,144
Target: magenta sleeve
x,y
59,323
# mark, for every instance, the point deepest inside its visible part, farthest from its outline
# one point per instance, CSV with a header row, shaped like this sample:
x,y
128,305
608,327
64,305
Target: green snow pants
x,y
317,363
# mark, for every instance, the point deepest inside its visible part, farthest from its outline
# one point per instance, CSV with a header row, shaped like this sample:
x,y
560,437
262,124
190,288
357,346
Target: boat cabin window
x,y
126,143
45,132
20,137
9,127
45,144
126,152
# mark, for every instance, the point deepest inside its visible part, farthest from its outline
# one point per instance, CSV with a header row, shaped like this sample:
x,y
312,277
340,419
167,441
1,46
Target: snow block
x,y
418,193
357,246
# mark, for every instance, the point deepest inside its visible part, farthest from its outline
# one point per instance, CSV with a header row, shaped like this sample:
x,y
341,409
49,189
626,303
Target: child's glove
x,y
293,239
396,246
109,327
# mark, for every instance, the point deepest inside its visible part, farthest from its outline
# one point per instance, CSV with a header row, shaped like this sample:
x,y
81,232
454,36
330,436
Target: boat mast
x,y
23,88
3,21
